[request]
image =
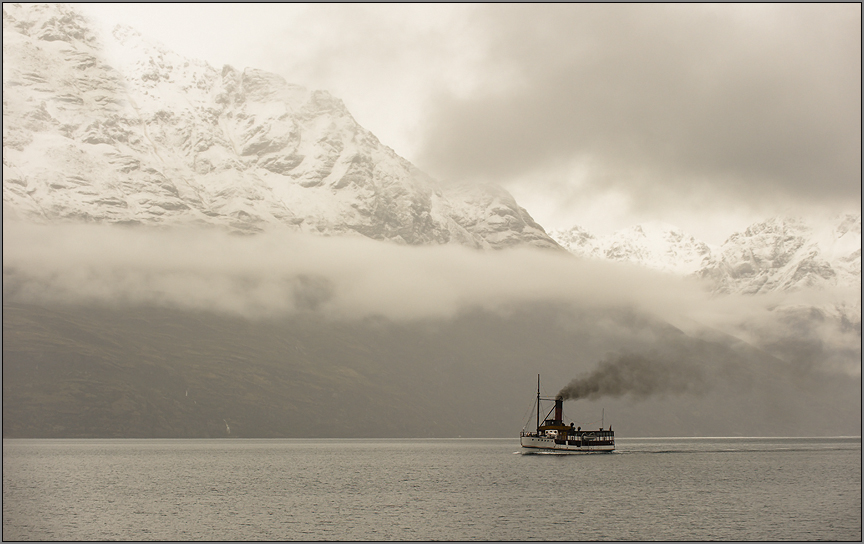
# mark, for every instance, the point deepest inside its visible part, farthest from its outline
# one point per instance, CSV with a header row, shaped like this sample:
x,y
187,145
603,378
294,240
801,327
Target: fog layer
x,y
267,331
281,273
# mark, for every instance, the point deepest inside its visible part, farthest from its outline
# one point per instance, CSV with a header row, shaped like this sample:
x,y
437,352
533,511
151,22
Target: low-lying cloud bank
x,y
281,272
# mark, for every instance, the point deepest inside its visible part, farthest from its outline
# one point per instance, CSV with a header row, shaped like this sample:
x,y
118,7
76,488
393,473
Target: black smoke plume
x,y
636,374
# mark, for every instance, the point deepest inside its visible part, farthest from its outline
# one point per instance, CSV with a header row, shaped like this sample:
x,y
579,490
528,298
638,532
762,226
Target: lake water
x,y
459,489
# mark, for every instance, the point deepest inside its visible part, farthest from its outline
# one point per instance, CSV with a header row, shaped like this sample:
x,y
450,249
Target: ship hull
x,y
540,444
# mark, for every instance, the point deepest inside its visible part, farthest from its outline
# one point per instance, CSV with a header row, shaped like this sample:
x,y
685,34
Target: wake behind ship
x,y
553,436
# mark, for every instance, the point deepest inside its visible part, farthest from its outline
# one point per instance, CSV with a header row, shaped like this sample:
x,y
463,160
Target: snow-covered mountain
x,y
655,245
780,254
783,254
116,129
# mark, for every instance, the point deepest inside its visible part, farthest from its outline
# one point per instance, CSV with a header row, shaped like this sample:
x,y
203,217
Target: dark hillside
x,y
153,372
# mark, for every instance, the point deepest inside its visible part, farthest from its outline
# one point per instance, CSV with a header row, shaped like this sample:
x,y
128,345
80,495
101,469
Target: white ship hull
x,y
540,444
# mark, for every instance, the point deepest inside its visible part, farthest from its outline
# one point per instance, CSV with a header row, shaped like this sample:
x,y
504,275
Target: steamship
x,y
553,436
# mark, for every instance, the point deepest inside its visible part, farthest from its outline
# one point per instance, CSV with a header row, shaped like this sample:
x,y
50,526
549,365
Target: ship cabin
x,y
569,434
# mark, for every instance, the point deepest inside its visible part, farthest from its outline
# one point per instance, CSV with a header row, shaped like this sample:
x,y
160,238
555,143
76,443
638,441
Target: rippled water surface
x,y
461,489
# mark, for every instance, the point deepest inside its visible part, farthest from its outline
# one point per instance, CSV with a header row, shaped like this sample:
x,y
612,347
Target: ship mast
x,y
538,403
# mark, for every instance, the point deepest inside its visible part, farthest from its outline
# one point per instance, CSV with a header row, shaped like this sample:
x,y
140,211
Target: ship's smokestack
x,y
559,410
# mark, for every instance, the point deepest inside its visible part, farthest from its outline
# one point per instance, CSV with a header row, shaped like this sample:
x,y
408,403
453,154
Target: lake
x,y
431,489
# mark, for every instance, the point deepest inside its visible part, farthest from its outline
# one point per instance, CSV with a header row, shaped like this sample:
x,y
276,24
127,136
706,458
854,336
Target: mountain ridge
x,y
116,129
779,254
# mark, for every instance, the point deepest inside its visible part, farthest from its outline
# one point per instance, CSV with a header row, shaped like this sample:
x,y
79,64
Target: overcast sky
x,y
704,116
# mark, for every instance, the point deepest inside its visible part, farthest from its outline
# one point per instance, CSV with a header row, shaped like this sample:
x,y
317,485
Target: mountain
x,y
80,371
115,129
152,332
780,254
783,254
655,245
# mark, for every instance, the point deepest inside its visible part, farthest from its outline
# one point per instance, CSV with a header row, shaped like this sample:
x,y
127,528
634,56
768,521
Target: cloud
x,y
737,103
283,272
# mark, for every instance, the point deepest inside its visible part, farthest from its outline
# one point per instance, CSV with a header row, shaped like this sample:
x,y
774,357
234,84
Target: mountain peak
x,y
126,131
654,244
789,253
781,253
48,23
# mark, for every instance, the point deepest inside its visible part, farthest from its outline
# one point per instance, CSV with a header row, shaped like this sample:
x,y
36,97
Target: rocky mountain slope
x,y
85,371
776,255
655,245
116,129
783,254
